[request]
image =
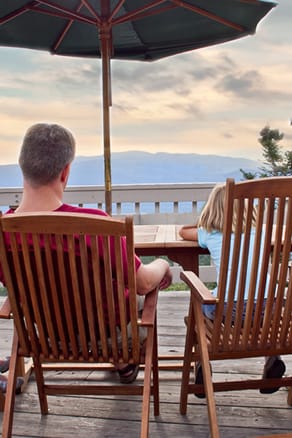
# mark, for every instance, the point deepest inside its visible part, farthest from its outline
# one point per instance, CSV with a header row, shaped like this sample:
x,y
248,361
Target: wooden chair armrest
x,y
149,309
5,310
200,291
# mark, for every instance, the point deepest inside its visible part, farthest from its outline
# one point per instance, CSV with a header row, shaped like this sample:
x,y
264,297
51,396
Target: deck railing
x,y
148,203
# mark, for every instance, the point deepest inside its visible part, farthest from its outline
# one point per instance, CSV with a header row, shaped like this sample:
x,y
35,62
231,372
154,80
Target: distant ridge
x,y
140,167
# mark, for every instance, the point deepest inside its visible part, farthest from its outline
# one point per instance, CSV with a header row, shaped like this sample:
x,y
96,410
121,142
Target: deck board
x,y
244,414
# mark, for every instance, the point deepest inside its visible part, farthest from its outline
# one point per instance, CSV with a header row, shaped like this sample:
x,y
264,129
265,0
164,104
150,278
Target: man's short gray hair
x,y
46,150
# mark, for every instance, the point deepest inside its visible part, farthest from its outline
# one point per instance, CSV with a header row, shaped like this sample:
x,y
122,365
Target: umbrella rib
x,y
208,14
61,12
65,31
145,11
116,9
92,11
17,12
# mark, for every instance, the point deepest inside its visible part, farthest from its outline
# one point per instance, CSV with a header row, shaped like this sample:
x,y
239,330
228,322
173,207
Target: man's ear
x,y
65,174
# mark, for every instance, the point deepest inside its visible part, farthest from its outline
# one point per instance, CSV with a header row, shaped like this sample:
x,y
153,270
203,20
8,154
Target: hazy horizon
x,y
142,167
94,156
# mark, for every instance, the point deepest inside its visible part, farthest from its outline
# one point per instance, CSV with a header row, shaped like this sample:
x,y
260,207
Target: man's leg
x,y
274,368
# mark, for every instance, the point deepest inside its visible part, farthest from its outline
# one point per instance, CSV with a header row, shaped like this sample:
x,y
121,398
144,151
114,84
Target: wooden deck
x,y
241,414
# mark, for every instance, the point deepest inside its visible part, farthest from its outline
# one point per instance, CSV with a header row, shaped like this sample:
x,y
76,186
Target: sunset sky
x,y
210,101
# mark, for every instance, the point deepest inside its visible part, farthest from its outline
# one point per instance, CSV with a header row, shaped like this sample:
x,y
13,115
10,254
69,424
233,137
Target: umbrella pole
x,y
106,96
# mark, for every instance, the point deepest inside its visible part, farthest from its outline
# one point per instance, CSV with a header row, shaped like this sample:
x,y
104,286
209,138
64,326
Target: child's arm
x,y
189,232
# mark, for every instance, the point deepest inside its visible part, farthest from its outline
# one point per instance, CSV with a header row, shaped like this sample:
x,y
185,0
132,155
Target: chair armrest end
x,y
198,288
149,309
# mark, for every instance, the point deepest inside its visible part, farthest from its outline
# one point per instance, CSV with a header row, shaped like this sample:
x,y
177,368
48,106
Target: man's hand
x,y
166,281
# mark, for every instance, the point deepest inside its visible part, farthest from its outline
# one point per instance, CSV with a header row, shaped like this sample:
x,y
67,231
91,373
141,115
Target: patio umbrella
x,y
142,30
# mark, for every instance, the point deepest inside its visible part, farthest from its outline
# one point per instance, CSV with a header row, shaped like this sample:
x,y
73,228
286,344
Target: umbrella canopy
x,y
142,30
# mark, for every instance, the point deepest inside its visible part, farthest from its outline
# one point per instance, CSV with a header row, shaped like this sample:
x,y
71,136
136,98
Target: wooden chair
x,y
67,309
5,313
266,329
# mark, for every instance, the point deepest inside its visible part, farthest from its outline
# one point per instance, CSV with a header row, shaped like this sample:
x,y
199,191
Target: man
x,y
45,159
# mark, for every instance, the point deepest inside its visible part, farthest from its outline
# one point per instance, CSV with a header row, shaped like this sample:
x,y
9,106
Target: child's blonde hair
x,y
211,217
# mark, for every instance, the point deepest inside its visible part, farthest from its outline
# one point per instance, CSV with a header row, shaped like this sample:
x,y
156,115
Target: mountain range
x,y
140,167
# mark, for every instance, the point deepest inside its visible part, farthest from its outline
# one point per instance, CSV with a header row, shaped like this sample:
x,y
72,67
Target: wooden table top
x,y
160,236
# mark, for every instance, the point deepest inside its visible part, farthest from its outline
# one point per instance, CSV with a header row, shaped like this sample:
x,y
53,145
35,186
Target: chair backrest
x,y
254,286
71,282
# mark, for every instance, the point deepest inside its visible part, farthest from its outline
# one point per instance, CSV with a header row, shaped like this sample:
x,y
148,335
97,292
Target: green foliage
x,y
177,287
3,291
204,259
183,286
149,259
276,162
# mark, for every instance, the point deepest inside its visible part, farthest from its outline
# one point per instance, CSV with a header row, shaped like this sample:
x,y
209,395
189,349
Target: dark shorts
x,y
209,310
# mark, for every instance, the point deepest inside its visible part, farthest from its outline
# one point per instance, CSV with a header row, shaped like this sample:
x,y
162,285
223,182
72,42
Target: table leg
x,y
188,261
2,401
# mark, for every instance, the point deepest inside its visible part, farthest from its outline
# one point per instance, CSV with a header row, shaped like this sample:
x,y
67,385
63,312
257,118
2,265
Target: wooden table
x,y
158,240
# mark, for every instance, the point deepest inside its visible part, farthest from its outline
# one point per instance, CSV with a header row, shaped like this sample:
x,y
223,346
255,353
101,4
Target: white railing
x,y
148,203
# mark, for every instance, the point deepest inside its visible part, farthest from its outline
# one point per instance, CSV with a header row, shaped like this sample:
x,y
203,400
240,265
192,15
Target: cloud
x,y
248,84
212,100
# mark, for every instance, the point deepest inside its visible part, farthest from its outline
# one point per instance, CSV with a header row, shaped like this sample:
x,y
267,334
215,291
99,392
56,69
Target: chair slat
x,y
80,282
13,279
88,314
99,299
121,300
32,300
42,296
68,329
110,301
57,337
132,287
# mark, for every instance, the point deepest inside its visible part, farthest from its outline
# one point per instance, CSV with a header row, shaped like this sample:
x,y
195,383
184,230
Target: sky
x,y
213,100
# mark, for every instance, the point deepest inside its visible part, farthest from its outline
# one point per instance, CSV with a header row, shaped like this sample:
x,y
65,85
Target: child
x,y
208,233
